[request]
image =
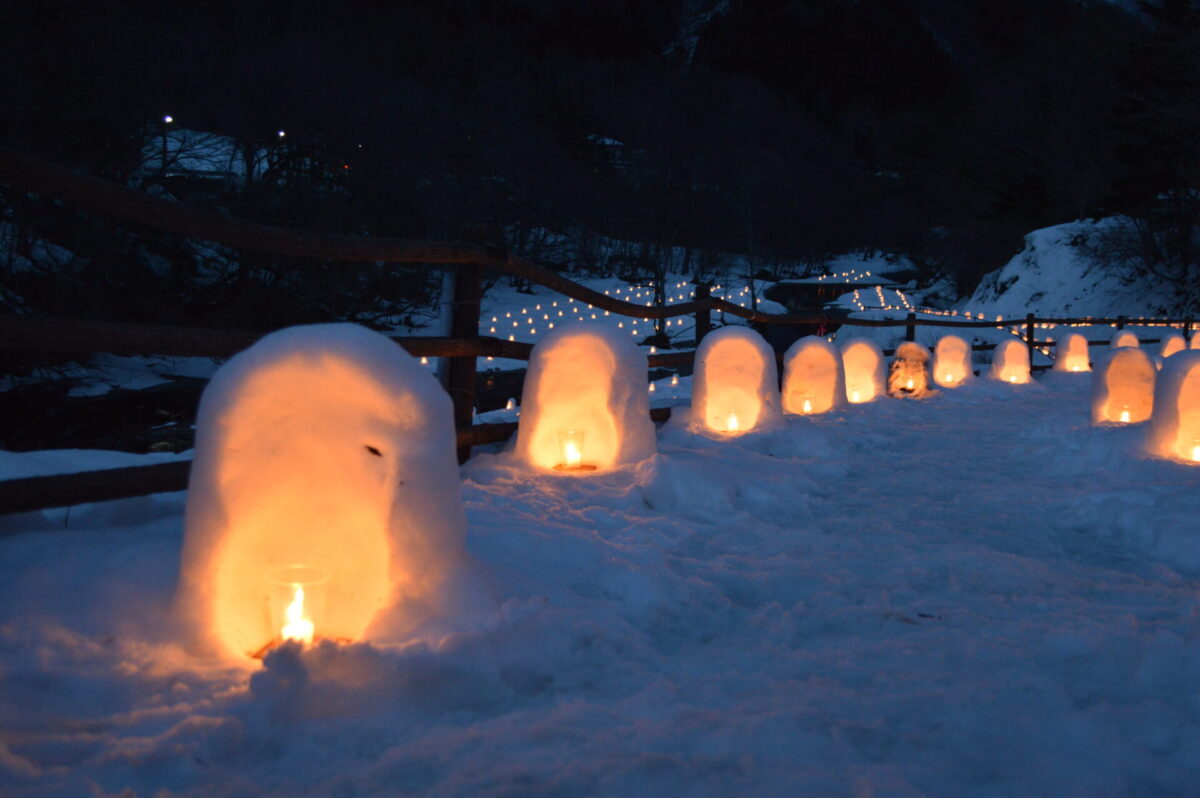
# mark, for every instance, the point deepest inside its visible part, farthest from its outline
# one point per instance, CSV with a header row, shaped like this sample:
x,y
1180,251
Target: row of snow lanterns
x,y
324,499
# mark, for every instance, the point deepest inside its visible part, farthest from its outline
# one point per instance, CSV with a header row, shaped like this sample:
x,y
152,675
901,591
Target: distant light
x,y
282,134
168,119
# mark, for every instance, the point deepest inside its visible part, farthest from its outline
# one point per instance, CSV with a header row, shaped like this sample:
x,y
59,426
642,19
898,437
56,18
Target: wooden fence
x,y
463,346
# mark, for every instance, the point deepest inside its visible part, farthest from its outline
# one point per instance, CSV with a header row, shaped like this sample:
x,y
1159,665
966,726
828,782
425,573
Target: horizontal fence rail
x,y
48,334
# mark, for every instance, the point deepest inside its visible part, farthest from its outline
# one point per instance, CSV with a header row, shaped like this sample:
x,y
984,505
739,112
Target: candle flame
x,y
572,456
909,385
297,626
948,378
1196,452
1124,416
807,406
732,423
854,396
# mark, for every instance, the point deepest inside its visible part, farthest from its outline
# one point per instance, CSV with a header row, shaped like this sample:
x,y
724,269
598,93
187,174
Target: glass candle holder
x,y
570,446
296,601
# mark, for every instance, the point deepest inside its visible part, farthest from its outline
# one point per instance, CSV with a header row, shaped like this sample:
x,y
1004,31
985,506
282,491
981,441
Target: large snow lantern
x,y
862,361
1123,338
1010,362
909,375
1123,387
735,385
1170,344
586,402
812,377
952,361
324,492
1174,429
1071,353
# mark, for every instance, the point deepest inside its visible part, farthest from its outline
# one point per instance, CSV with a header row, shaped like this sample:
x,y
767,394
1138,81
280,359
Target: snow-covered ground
x,y
979,594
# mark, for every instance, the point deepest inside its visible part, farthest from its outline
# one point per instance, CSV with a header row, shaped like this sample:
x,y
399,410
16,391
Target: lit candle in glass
x,y
571,445
296,601
806,407
908,386
1124,417
854,397
731,421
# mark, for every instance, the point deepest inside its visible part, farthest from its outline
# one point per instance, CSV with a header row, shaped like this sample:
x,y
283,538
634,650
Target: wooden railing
x,y
463,346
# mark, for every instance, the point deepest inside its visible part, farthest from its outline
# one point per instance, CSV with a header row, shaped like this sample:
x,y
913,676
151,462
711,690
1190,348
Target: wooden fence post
x,y
464,323
1187,331
1029,336
703,315
1120,322
910,332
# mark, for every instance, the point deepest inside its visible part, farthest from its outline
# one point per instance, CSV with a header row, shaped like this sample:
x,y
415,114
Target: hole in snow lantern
x,y
909,374
1123,338
586,403
1174,429
1123,387
862,361
1010,362
1170,344
323,493
735,387
952,361
1071,353
812,377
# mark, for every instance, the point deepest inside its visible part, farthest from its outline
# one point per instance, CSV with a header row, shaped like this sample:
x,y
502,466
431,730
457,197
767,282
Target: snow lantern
x,y
1123,387
324,493
1194,343
1010,362
586,404
1123,338
1071,353
812,377
909,375
1170,344
952,361
1174,429
862,361
735,387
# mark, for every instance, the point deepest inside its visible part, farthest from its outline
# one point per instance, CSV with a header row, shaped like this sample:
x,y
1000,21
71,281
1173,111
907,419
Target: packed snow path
x,y
974,594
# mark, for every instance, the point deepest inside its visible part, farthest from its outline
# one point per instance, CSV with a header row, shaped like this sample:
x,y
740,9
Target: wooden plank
x,y
64,490
55,334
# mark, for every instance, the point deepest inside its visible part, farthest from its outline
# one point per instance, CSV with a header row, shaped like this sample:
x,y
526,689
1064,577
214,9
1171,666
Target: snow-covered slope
x,y
1054,275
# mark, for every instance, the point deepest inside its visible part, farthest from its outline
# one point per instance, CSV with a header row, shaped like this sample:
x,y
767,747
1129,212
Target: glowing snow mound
x,y
813,381
952,361
1071,353
1174,428
909,376
1010,362
735,385
1170,344
324,493
586,402
1123,387
862,361
1123,338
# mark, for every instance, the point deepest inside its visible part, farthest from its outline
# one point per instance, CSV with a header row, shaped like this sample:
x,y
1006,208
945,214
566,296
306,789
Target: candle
x,y
807,407
731,422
